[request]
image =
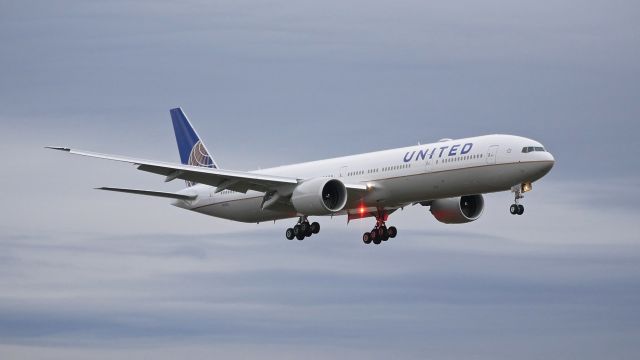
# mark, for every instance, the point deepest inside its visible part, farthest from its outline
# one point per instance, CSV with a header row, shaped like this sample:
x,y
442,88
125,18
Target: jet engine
x,y
319,196
458,210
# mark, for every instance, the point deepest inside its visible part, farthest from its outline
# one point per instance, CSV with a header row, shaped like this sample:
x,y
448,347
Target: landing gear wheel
x,y
513,209
302,229
374,235
520,209
315,227
380,232
305,227
393,231
366,238
384,233
289,234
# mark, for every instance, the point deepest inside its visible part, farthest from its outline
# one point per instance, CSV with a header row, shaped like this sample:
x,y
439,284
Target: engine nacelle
x,y
319,196
458,210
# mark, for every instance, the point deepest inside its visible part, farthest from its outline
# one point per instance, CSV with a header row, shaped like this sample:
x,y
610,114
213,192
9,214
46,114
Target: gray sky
x,y
88,274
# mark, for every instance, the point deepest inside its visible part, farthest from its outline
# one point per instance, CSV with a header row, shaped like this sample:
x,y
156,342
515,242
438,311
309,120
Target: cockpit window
x,y
528,149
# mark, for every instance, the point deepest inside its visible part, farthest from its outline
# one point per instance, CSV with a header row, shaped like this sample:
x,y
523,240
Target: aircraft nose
x,y
551,158
548,163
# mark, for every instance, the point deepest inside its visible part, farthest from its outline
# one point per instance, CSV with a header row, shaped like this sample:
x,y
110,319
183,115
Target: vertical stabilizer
x,y
192,150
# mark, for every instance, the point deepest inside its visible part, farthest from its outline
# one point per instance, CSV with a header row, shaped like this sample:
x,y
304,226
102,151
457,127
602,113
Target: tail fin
x,y
192,149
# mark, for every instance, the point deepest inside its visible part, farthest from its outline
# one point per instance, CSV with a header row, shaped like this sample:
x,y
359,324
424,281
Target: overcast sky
x,y
85,274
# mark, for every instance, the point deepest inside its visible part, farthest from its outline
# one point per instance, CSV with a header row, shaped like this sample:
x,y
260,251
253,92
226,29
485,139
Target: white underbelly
x,y
394,191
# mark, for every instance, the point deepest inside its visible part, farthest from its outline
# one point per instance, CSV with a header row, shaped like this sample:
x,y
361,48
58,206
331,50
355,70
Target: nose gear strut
x,y
516,208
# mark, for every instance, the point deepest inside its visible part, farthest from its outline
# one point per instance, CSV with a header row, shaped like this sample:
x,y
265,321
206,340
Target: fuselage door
x,y
428,165
343,171
492,153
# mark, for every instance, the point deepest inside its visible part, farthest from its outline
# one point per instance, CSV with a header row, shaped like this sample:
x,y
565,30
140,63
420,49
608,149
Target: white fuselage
x,y
396,177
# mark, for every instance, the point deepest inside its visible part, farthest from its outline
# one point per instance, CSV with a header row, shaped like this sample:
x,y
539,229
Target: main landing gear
x,y
516,208
380,232
302,229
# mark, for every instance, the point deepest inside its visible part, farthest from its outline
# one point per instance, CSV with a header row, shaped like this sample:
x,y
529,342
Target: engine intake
x,y
458,210
319,196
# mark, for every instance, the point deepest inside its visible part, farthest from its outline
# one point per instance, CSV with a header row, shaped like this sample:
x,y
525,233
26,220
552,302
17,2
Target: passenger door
x,y
492,153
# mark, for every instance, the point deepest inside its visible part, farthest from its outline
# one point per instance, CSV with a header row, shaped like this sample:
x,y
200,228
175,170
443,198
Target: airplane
x,y
449,176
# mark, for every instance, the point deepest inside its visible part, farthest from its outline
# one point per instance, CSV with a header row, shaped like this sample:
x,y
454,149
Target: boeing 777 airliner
x,y
449,176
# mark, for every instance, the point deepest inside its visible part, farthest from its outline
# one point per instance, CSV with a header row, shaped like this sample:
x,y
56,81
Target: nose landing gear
x,y
516,208
302,229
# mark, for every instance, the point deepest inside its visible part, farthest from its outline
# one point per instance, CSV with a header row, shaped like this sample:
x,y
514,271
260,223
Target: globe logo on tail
x,y
199,156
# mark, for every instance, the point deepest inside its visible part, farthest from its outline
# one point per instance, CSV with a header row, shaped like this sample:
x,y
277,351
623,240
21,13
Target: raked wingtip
x,y
61,148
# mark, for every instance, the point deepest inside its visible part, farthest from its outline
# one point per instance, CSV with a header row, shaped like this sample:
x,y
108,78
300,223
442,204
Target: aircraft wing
x,y
222,179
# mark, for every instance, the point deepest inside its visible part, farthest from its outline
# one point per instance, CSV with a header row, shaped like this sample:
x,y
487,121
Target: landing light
x,y
526,187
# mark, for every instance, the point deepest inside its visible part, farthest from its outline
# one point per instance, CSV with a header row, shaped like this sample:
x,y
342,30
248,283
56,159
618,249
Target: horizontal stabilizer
x,y
150,193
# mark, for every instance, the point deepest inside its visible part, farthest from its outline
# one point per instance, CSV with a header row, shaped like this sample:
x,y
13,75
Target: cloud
x,y
100,292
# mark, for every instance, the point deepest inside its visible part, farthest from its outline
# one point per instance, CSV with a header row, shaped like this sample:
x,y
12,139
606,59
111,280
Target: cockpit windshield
x,y
528,149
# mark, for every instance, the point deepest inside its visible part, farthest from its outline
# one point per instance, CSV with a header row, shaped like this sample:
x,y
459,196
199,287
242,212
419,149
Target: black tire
x,y
374,235
289,234
366,238
384,234
315,227
296,230
377,241
300,236
393,232
513,209
520,209
305,227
